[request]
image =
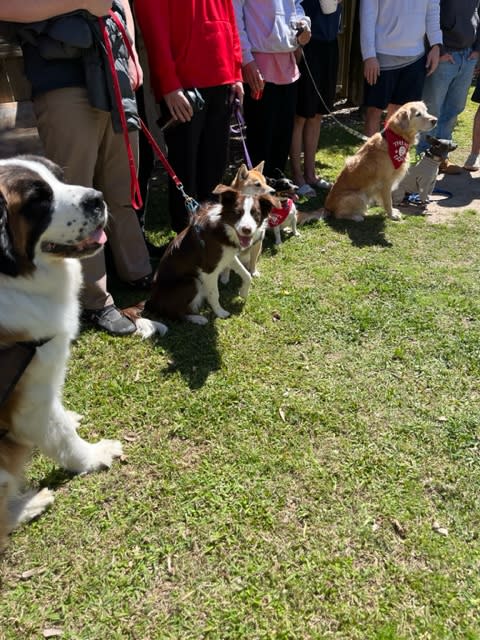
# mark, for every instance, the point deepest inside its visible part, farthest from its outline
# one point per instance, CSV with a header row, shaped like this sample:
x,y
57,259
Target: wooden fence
x,y
18,133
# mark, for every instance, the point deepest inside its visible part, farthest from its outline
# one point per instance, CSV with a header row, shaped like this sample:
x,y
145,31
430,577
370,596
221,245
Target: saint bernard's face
x,y
41,217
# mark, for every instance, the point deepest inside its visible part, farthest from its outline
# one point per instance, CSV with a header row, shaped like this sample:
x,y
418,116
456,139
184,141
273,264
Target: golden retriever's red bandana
x,y
397,147
279,214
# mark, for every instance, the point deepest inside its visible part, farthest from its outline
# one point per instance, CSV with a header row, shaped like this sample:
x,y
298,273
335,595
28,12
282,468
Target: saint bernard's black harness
x,y
14,359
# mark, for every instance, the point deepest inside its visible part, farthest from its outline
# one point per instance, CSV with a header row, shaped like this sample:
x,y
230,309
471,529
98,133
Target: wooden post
x,y
18,131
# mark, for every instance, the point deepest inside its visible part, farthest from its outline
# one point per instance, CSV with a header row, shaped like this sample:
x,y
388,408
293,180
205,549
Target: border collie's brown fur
x,y
189,269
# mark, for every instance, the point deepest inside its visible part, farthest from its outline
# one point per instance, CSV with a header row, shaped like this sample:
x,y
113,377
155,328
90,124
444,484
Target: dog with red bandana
x,y
284,215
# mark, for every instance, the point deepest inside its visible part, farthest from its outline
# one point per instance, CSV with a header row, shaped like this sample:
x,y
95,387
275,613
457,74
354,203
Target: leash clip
x,y
191,204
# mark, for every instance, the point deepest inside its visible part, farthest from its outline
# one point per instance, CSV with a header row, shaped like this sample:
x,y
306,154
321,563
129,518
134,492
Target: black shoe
x,y
109,319
153,250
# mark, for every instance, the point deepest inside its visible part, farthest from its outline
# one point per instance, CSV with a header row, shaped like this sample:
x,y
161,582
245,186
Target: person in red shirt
x,y
193,44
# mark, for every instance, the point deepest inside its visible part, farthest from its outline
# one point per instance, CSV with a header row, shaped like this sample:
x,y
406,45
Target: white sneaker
x,y
306,191
472,163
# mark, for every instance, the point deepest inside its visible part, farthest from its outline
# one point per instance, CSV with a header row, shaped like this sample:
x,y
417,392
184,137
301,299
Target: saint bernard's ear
x,y
8,262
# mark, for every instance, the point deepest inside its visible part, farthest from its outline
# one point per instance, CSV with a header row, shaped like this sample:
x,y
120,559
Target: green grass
x,y
283,467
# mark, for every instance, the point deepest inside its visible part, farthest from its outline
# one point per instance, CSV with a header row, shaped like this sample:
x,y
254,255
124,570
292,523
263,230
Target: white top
x,y
398,27
268,26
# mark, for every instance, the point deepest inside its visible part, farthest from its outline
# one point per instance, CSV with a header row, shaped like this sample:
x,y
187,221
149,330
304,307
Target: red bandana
x,y
397,147
280,214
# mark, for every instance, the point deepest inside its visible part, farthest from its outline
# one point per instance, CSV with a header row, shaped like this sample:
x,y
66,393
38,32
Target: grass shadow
x,y
193,349
56,477
369,233
193,352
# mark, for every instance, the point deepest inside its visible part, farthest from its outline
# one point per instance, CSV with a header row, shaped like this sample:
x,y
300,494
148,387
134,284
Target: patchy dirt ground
x,y
461,192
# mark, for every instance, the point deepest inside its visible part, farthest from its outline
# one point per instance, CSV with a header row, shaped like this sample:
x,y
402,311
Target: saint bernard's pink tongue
x,y
97,237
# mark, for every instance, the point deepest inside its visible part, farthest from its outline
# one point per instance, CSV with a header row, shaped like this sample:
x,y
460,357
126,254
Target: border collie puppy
x,y
248,182
188,272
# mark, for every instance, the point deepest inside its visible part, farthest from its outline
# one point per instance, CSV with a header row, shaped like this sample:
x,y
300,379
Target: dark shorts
x,y
396,86
322,60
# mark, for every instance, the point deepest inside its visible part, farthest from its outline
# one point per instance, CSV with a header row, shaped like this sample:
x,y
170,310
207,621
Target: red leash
x,y
135,194
190,203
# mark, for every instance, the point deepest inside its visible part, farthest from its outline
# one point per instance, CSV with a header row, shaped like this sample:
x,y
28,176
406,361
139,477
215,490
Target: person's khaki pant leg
x,y
71,133
124,232
81,140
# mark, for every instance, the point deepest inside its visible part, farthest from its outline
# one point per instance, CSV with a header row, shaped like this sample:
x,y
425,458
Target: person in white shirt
x,y
400,43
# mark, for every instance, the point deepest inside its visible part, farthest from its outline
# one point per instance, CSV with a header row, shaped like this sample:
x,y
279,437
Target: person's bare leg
x,y
476,133
472,163
391,109
311,136
296,151
372,120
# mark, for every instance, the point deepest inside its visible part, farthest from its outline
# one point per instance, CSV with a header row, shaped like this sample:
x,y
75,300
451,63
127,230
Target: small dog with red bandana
x,y
286,214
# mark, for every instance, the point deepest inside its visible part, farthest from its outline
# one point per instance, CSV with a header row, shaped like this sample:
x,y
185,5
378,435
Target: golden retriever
x,y
379,165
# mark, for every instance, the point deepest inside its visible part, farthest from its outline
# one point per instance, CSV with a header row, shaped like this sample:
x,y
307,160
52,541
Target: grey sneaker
x,y
109,319
321,183
472,163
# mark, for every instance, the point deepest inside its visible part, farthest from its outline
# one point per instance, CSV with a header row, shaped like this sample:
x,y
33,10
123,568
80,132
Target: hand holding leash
x,y
237,93
178,105
303,33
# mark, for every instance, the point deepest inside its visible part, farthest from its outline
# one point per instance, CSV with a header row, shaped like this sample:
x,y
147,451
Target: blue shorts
x,y
396,86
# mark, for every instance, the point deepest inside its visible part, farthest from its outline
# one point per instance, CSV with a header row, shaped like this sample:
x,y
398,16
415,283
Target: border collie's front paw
x,y
225,276
244,289
221,313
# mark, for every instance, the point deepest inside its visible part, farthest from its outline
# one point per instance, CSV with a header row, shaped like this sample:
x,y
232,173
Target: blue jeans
x,y
445,93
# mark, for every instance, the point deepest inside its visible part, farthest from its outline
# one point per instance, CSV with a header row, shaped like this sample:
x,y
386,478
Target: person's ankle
x,y
298,179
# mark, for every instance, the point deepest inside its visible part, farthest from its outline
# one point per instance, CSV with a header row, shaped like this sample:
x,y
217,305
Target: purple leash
x,y
237,109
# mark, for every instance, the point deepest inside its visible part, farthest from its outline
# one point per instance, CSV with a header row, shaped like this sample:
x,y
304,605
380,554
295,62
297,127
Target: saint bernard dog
x,y
45,225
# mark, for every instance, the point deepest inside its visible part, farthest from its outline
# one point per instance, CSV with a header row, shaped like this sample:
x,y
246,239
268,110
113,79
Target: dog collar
x,y
397,147
280,214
